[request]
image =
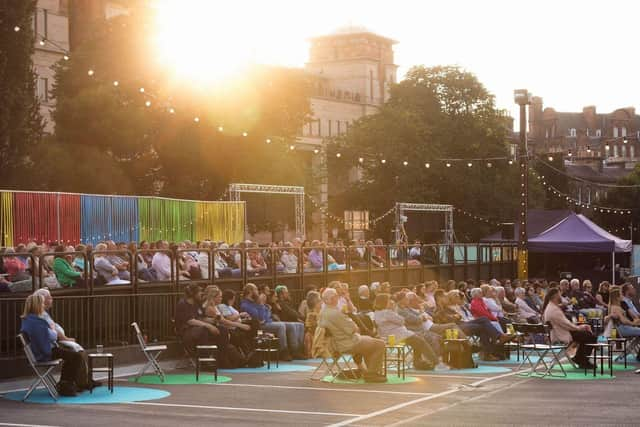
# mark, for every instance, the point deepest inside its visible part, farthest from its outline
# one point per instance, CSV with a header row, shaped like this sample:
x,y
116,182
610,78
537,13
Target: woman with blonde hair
x,y
42,340
625,326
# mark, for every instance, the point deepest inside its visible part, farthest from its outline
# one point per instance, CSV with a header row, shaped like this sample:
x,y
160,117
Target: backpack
x,y
458,356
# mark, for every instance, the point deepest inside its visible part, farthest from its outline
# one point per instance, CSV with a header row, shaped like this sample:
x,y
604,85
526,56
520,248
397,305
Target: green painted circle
x,y
577,374
177,379
391,380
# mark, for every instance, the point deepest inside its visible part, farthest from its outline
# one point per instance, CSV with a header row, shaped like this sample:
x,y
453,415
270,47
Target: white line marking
x,y
444,408
353,390
445,376
229,408
24,425
413,402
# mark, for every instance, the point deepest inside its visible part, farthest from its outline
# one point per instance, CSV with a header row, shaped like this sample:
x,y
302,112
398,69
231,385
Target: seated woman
x,y
625,326
479,309
566,332
289,259
490,297
314,305
451,309
602,297
65,273
241,334
532,299
43,337
191,326
391,323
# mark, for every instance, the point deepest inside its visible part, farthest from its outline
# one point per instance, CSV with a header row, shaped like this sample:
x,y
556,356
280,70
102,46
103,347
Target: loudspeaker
x,y
508,231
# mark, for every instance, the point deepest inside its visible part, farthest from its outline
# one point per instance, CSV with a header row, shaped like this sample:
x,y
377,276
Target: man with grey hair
x,y
106,271
364,299
347,339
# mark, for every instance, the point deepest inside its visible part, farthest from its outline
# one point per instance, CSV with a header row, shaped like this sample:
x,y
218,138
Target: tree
x,y
436,113
625,198
21,125
120,113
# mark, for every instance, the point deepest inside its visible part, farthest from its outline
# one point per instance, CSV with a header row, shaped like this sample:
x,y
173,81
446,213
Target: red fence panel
x,y
35,217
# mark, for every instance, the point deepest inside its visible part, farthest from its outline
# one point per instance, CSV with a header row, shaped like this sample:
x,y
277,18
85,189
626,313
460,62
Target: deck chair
x,y
333,362
549,354
43,370
151,352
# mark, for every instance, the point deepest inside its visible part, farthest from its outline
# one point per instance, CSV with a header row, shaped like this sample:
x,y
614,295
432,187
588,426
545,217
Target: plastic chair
x,y
43,370
151,352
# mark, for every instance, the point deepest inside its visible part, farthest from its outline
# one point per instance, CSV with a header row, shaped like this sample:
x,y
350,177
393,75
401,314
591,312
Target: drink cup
x,y
455,334
99,348
614,333
260,332
392,340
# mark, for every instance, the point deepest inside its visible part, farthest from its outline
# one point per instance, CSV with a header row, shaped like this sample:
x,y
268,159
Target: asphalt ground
x,y
291,398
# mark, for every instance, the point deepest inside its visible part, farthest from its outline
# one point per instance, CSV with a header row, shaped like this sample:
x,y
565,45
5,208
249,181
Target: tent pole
x,y
613,267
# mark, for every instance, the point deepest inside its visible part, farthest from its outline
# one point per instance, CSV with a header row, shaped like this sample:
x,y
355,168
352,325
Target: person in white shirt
x,y
161,262
524,311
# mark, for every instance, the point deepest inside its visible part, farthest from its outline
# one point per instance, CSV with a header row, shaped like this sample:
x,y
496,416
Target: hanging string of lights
x,y
576,202
575,178
324,211
476,217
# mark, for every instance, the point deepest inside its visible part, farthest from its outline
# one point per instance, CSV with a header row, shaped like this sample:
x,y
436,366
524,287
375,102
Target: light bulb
x,y
268,141
90,72
405,163
141,90
292,147
338,155
551,158
66,58
489,165
360,159
448,165
115,83
16,28
469,164
196,119
171,110
220,128
42,42
148,103
383,161
427,165
510,162
316,151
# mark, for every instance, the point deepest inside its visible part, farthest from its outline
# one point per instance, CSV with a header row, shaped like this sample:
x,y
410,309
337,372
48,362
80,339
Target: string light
x,y
489,165
383,161
268,141
427,165
115,83
196,119
16,28
171,110
338,155
469,164
315,150
65,57
551,158
360,160
292,147
510,162
245,134
448,165
220,129
148,103
90,72
405,163
141,90
42,41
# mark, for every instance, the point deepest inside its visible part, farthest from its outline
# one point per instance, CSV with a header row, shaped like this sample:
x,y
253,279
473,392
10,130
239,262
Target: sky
x,y
571,53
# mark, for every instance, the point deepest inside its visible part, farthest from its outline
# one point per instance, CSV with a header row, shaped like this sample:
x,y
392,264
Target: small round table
x,y
108,368
601,347
397,356
613,345
266,345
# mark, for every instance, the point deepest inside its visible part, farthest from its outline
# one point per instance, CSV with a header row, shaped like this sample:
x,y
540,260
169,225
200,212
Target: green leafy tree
x,y
625,198
21,125
436,113
113,137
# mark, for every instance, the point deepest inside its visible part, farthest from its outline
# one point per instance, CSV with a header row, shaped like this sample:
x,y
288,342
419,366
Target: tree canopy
x,y
436,113
125,125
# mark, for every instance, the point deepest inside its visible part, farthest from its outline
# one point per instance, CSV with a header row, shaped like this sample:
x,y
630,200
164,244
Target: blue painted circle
x,y
100,395
284,367
513,360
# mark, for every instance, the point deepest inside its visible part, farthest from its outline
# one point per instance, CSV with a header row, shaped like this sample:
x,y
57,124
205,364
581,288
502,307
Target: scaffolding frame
x,y
401,208
236,189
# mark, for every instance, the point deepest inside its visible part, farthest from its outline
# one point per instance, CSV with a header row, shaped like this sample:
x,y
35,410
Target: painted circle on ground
x,y
513,360
100,395
180,379
286,367
391,380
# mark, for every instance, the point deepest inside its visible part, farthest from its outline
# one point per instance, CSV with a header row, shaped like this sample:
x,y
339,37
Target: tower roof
x,y
351,30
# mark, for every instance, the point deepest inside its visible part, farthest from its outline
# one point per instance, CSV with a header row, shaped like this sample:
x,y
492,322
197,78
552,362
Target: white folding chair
x,y
151,352
546,350
43,370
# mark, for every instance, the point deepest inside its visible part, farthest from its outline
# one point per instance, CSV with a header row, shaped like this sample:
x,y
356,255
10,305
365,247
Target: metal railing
x,y
102,314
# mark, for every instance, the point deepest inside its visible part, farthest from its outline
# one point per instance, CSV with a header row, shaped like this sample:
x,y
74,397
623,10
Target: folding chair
x,y
556,352
333,362
43,370
151,352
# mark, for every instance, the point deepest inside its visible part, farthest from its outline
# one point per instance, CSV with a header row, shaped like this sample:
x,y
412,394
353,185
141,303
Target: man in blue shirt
x,y
291,340
628,294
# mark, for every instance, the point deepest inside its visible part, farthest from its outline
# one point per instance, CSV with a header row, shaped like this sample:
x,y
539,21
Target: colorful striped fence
x,y
87,218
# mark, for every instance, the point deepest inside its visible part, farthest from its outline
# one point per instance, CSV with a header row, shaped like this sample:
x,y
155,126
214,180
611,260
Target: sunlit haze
x,y
572,53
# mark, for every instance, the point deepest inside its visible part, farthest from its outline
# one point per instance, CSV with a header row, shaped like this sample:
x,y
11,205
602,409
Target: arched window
x,y
615,132
624,131
572,132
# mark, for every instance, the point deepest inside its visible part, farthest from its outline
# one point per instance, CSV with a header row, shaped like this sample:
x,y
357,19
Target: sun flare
x,y
201,40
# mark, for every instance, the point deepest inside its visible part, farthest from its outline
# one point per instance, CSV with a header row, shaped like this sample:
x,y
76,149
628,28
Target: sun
x,y
203,41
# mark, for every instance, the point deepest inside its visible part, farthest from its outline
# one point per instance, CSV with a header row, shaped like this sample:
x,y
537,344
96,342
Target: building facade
x,y
596,147
352,69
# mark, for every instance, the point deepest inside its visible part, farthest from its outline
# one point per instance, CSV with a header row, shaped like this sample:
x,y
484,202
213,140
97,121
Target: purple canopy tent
x,y
576,233
561,231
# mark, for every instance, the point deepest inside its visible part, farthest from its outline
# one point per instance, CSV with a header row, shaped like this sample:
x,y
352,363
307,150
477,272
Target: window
x,y
598,132
587,131
43,89
615,151
45,23
329,127
624,131
338,121
615,132
319,128
546,133
346,126
371,85
632,151
572,132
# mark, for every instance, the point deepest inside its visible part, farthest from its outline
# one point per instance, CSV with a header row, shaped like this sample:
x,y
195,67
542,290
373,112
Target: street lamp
x,y
522,97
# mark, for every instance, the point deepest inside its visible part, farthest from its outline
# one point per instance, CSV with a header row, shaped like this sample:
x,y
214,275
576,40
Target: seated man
x,y
347,339
191,328
120,264
286,313
107,272
161,262
364,299
290,334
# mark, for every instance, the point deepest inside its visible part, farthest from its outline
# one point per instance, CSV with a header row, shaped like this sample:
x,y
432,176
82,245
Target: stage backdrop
x,y
88,218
